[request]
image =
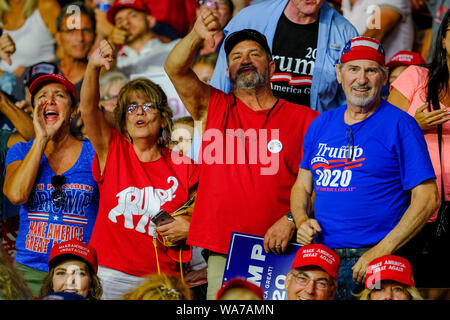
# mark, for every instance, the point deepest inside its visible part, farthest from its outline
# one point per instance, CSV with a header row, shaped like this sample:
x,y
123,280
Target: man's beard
x,y
361,100
252,80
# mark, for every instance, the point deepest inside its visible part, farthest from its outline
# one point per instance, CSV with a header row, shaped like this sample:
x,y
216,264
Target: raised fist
x,y
7,48
103,56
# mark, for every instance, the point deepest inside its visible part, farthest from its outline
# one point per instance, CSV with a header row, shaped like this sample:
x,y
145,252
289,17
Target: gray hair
x,y
111,77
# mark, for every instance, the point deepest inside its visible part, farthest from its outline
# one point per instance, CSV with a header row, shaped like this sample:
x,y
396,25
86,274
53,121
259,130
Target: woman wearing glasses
x,y
50,177
137,176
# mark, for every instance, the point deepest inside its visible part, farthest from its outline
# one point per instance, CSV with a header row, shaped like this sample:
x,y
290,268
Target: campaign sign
x,y
247,259
173,100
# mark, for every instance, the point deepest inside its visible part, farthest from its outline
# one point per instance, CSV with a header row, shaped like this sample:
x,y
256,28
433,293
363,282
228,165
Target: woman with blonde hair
x,y
110,84
390,277
32,25
161,287
137,177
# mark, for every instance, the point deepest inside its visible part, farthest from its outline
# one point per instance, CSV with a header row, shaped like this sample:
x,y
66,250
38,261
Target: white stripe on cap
x,y
365,43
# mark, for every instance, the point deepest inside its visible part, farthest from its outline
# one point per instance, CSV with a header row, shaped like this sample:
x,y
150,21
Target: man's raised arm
x,y
192,91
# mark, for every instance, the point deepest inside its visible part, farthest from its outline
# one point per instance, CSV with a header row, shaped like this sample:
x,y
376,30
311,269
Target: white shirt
x,y
150,60
401,37
33,41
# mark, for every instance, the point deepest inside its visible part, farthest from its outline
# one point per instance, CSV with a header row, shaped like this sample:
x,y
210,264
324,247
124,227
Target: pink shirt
x,y
412,83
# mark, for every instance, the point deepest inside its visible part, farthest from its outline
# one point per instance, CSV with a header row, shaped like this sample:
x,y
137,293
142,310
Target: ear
x,y
338,73
163,122
272,68
332,292
287,281
386,78
151,21
58,38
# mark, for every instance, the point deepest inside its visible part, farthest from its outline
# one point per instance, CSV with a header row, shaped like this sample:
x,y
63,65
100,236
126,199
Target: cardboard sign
x,y
247,259
174,101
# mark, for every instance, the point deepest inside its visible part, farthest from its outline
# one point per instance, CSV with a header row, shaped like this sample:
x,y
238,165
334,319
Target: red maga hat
x,y
366,48
120,4
317,255
48,78
240,283
75,249
389,267
405,58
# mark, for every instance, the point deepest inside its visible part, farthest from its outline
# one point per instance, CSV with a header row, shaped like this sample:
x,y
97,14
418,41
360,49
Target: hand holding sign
x,y
278,236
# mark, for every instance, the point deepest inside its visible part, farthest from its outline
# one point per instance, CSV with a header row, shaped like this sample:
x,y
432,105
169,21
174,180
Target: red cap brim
x,y
49,78
112,11
240,283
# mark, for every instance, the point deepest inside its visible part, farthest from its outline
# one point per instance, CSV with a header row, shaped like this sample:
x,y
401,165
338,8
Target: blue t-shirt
x,y
41,223
359,201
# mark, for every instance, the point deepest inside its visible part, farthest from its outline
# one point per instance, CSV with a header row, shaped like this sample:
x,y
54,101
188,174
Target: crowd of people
x,y
323,123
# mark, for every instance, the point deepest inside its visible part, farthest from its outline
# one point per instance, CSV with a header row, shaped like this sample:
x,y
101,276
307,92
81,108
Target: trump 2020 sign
x,y
247,259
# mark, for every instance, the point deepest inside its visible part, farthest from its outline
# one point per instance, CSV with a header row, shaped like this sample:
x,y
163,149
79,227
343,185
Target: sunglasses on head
x,y
350,144
59,197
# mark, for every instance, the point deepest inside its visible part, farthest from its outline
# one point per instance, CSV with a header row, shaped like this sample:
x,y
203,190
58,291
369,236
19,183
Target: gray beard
x,y
361,101
251,81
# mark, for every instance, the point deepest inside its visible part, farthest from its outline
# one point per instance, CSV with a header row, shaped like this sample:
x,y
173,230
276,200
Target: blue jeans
x,y
346,286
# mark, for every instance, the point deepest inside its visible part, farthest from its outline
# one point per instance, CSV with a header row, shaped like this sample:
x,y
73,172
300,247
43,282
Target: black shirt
x,y
294,52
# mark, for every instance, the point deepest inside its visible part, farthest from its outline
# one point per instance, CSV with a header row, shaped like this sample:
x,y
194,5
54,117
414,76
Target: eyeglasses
x,y
211,3
59,197
303,280
181,140
350,144
84,31
108,97
146,107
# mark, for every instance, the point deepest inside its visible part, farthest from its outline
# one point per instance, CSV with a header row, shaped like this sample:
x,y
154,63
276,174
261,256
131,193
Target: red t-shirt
x,y
131,192
246,189
179,14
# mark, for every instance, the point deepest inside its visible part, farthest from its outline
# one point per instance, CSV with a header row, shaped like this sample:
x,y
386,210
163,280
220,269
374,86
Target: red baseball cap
x,y
363,48
405,58
240,283
120,4
48,78
75,249
317,255
389,267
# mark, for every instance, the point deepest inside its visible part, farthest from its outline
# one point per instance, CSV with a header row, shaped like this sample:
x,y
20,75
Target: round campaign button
x,y
274,146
